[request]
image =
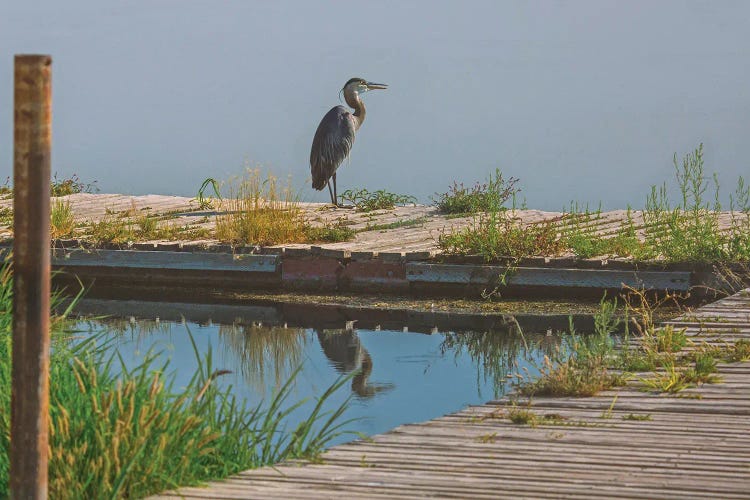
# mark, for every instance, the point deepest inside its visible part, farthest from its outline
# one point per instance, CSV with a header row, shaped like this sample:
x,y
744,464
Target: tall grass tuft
x,y
119,432
260,211
62,222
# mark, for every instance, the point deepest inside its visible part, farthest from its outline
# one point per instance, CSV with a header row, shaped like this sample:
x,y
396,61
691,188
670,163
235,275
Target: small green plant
x,y
607,414
490,196
71,185
673,379
6,216
204,201
330,233
666,339
525,416
487,438
381,199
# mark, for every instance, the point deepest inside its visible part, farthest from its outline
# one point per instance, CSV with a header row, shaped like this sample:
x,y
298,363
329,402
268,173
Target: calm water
x,y
405,376
582,101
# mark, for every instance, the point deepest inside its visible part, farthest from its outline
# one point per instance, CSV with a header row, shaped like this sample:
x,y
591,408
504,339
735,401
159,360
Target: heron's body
x,y
334,138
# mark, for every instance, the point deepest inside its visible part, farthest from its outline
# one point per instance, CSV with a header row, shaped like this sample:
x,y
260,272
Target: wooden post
x,y
32,138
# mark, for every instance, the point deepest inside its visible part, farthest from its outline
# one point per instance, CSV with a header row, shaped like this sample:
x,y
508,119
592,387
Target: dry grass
x,y
260,211
62,222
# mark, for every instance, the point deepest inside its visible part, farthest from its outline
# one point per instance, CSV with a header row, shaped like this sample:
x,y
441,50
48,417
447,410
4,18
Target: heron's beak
x,y
376,86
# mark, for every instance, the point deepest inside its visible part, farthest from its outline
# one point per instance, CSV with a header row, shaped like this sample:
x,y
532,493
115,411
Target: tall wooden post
x,y
32,138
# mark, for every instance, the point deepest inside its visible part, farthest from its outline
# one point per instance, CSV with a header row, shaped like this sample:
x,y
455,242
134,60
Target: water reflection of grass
x,y
264,351
129,432
496,352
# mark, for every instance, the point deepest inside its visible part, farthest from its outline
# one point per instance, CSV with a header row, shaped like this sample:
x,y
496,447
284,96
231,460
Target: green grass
x,y
125,433
489,196
121,228
6,216
497,235
395,225
70,185
684,232
366,201
329,233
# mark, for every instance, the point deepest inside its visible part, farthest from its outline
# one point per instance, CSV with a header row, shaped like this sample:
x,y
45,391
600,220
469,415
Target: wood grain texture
x,y
690,448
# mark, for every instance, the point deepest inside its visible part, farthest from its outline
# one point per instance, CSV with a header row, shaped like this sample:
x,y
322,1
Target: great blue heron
x,y
335,135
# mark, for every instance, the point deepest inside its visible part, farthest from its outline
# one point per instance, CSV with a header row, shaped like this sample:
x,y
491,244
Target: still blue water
x,y
404,377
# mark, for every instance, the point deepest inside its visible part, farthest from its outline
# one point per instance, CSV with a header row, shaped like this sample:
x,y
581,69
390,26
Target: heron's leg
x,y
333,200
335,195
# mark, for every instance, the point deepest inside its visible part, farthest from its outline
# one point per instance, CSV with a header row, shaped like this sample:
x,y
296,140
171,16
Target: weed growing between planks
x,y
125,227
688,232
581,366
260,211
497,235
366,201
62,222
71,185
490,196
125,433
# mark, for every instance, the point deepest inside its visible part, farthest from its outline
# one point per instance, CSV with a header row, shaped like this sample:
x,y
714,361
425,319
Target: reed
x,y
127,432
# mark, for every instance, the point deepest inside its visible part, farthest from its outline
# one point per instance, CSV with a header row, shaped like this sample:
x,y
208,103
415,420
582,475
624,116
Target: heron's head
x,y
360,86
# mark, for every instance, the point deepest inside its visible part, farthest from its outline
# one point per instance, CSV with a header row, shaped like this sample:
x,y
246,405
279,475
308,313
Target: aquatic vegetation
x,y
581,365
119,432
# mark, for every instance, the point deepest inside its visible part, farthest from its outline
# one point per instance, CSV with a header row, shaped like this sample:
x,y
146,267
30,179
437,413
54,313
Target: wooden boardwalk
x,y
696,444
409,229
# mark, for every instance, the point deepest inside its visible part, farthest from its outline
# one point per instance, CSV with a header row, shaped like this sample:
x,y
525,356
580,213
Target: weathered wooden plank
x,y
538,276
166,260
691,448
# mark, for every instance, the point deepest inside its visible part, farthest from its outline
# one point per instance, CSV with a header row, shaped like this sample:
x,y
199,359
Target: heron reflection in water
x,y
334,138
345,351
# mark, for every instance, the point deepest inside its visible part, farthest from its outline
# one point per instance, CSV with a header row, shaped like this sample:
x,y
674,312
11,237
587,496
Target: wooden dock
x,y
392,251
694,444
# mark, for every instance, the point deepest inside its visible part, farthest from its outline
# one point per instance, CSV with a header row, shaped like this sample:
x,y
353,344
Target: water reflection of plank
x,y
322,316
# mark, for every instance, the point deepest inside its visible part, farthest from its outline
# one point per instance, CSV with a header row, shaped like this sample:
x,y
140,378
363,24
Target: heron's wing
x,y
331,145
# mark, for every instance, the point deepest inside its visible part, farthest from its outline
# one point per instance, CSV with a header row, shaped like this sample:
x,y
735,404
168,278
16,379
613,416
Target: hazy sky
x,y
582,101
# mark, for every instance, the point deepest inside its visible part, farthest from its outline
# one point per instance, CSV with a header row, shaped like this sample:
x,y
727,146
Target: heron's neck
x,y
353,100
